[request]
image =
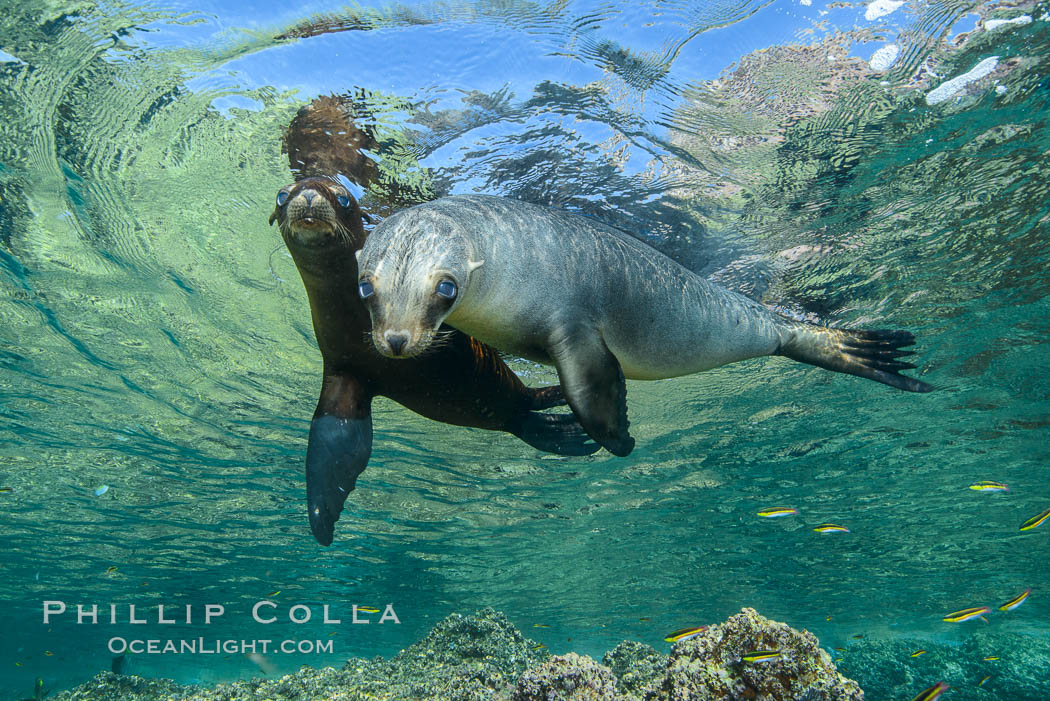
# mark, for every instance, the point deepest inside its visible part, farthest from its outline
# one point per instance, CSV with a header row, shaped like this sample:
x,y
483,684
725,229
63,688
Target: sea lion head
x,y
413,272
317,213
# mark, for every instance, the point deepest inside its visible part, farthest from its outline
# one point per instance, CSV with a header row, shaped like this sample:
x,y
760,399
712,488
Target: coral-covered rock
x,y
568,677
107,686
462,658
482,657
1017,666
636,665
710,666
484,638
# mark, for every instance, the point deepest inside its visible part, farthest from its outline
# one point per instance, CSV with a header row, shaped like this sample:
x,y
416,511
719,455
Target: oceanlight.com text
x,y
215,646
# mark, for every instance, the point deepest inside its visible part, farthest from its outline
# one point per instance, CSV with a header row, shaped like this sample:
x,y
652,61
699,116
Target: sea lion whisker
x,y
273,273
435,341
344,233
443,335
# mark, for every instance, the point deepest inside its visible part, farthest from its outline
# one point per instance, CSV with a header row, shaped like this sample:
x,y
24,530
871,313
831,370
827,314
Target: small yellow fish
x,y
684,634
1016,601
989,487
990,658
48,653
6,490
111,569
332,633
761,656
918,652
981,683
931,693
273,594
644,618
368,609
831,528
858,636
827,618
1035,521
540,625
839,649
539,646
965,615
18,664
776,513
837,659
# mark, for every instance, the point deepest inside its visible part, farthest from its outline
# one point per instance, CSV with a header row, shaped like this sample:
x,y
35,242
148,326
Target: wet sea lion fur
x,y
593,301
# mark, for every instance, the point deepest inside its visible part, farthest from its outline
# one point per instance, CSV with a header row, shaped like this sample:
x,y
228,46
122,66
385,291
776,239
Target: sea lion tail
x,y
871,354
553,433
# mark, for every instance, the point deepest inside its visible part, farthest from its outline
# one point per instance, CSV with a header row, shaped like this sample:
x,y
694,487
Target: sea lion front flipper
x,y
338,451
594,387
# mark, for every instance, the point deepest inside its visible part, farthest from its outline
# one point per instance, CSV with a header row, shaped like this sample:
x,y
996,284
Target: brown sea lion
x,y
460,381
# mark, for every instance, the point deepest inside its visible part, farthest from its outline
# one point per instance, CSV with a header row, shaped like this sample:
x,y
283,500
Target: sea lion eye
x,y
343,201
282,197
446,289
365,289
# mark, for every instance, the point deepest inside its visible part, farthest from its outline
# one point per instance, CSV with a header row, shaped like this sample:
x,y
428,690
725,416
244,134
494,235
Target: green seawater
x,y
155,338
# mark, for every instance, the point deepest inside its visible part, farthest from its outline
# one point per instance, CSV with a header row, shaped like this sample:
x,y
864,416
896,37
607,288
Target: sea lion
x,y
460,381
593,301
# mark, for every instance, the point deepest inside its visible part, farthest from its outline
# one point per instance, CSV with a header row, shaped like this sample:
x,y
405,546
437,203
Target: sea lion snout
x,y
405,321
316,212
401,339
409,291
311,217
396,340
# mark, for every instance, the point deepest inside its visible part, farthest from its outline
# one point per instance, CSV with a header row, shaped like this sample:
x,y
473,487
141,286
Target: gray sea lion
x,y
591,300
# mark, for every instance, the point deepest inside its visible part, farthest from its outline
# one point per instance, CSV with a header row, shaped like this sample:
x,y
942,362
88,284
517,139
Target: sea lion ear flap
x,y
473,265
273,217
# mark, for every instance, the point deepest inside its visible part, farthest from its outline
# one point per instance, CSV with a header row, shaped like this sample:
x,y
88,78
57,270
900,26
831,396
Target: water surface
x,y
155,336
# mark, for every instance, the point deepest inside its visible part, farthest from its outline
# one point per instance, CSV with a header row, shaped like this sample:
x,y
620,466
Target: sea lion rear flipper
x,y
553,433
865,353
546,397
338,451
594,387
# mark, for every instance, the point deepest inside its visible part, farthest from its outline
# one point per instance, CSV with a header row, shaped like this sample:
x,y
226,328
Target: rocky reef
x,y
712,665
484,657
570,677
1010,666
636,666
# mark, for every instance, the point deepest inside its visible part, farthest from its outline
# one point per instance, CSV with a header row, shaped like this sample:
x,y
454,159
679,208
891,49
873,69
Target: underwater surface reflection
x,y
878,166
